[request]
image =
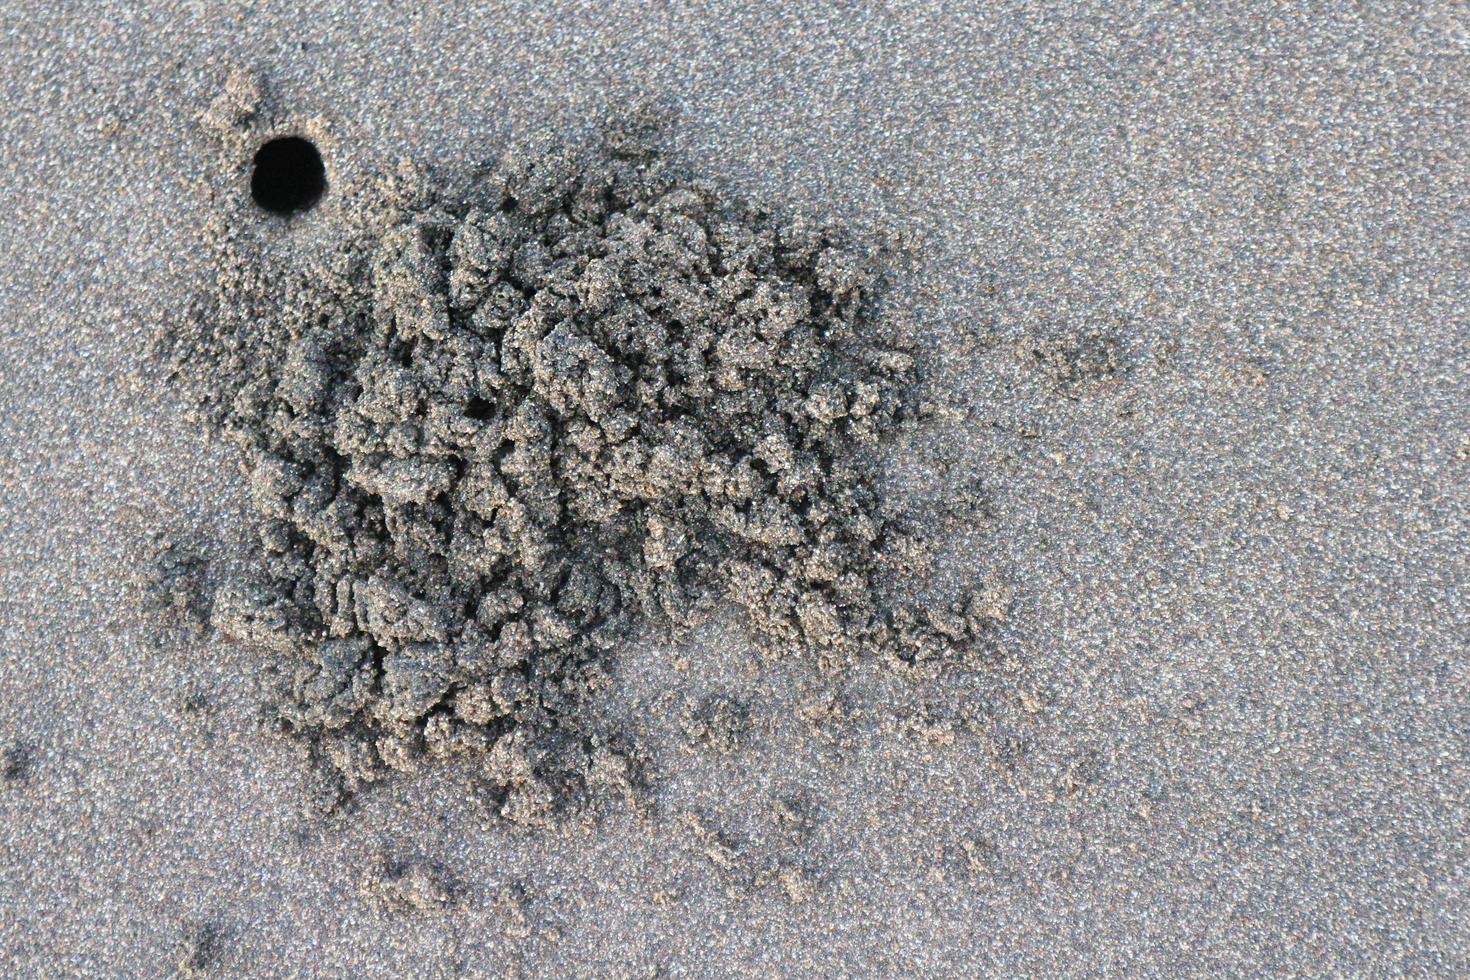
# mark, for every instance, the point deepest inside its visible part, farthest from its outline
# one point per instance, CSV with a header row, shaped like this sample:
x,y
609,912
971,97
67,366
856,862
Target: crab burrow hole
x,y
287,175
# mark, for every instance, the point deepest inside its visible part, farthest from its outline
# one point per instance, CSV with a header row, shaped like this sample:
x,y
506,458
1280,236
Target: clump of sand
x,y
490,432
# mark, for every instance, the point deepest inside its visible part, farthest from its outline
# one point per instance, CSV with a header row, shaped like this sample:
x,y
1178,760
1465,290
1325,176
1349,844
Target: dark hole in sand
x,y
289,175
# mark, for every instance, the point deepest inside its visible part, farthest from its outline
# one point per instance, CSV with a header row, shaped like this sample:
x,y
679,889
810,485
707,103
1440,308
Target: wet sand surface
x,y
1199,287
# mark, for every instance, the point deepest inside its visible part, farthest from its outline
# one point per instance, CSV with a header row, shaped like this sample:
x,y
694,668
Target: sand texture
x,y
1190,293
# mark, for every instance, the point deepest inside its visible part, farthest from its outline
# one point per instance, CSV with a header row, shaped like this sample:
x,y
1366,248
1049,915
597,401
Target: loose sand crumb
x,y
491,432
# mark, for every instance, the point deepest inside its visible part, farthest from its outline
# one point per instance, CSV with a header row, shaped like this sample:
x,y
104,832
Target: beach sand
x,y
1198,290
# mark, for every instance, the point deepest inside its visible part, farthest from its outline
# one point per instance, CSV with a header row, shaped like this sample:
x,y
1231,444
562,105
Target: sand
x,y
1199,288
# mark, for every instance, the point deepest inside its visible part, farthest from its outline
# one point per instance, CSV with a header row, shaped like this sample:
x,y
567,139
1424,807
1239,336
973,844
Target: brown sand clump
x,y
490,432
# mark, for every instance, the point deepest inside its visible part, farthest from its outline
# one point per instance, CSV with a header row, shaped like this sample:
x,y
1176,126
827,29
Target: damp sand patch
x,y
491,432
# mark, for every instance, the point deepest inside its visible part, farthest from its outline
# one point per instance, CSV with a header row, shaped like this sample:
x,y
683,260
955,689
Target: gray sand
x,y
494,434
1199,287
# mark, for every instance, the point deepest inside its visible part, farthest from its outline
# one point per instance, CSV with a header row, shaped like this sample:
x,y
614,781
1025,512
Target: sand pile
x,y
491,432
